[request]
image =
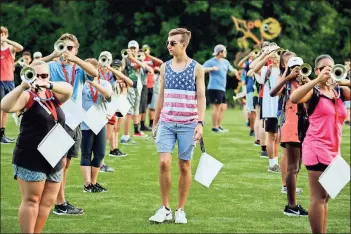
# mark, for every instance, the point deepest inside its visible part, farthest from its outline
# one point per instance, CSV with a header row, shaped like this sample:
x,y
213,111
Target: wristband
x,y
201,122
51,85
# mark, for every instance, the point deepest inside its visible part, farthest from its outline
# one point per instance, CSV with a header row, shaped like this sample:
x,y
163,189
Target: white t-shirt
x,y
269,104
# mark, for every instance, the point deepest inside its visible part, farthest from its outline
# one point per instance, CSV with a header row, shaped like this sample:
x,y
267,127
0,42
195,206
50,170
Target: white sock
x,y
125,137
271,162
276,160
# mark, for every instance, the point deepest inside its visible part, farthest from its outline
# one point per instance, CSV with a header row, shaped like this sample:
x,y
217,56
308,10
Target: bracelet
x,y
201,122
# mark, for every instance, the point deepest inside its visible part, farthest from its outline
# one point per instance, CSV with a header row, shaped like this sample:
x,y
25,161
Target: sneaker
x,y
252,133
264,154
73,207
96,189
64,209
117,153
6,140
223,129
180,216
297,211
105,168
257,143
217,130
100,187
88,189
161,215
146,129
274,169
140,134
285,190
127,142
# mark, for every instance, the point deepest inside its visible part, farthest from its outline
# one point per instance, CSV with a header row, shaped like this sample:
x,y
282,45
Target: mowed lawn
x,y
243,198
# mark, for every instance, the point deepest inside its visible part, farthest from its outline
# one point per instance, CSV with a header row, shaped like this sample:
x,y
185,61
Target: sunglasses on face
x,y
70,48
172,43
43,76
321,68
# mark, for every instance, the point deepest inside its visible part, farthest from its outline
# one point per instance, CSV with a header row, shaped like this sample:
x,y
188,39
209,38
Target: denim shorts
x,y
250,102
5,88
169,133
34,176
347,104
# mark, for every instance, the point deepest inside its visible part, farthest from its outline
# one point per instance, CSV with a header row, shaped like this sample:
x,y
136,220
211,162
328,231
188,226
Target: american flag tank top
x,y
180,101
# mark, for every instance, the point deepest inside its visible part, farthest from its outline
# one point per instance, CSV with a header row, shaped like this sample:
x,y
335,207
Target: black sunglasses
x,y
172,43
70,48
43,76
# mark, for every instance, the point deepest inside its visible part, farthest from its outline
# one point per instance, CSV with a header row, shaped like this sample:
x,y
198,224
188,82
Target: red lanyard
x,y
94,95
336,123
49,104
108,78
66,75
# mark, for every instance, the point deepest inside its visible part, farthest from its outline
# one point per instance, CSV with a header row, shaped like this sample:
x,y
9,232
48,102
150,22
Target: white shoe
x,y
180,216
285,190
161,215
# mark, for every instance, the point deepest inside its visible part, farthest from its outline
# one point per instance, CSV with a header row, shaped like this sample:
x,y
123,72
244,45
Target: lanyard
x,y
94,95
109,75
336,122
48,104
66,75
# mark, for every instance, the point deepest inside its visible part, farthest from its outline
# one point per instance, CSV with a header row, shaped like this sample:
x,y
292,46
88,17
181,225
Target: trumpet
x,y
280,51
28,74
141,56
104,59
256,52
60,46
305,70
124,53
21,62
272,46
338,72
146,48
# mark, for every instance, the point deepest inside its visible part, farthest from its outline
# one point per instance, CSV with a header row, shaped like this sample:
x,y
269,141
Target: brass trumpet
x,y
146,48
256,52
124,53
28,74
305,70
60,46
280,51
338,72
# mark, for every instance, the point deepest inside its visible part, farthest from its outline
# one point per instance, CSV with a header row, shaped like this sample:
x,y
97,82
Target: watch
x,y
51,85
201,122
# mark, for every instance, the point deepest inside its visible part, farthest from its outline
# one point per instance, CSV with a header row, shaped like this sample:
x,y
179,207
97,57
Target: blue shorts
x,y
169,133
35,176
5,88
347,104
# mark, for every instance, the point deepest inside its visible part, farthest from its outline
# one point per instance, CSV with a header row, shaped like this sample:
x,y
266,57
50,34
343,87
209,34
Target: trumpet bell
x,y
338,72
305,69
141,56
28,74
124,53
280,51
21,62
60,46
105,58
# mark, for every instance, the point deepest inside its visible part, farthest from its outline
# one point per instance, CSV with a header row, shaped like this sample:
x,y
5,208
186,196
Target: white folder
x,y
55,144
74,113
335,177
112,106
95,119
207,169
123,105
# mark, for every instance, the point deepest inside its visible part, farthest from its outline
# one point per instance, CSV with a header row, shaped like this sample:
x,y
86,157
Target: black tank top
x,y
36,123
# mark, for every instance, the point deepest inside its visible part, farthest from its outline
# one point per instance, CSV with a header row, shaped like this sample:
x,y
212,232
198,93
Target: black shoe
x,y
73,207
146,129
252,133
88,189
64,209
297,211
100,187
117,153
96,189
6,140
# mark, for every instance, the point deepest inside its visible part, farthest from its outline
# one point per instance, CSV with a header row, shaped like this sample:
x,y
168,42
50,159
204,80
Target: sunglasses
x,y
172,43
321,68
43,76
70,48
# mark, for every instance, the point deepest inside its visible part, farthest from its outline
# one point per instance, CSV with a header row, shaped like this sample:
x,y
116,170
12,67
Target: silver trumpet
x,y
124,53
305,70
28,74
338,72
60,46
21,62
104,59
141,56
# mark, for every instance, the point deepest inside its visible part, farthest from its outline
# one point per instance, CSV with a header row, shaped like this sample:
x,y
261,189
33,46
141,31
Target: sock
x,y
276,160
136,130
2,132
167,208
151,122
271,162
264,148
252,131
125,137
142,123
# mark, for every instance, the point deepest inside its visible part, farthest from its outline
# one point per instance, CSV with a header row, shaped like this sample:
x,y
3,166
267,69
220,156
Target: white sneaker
x,y
161,215
285,190
180,216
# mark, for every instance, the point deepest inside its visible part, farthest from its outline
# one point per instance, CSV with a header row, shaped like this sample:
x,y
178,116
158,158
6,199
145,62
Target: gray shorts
x,y
35,176
134,99
77,137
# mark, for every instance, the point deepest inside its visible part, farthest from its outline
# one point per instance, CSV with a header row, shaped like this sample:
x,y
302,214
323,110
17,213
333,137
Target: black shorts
x,y
143,100
216,96
271,125
255,102
317,167
77,137
260,105
149,95
292,144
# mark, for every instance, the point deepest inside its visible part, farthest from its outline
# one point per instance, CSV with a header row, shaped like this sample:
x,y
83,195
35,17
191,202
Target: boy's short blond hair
x,y
186,34
71,37
92,61
4,30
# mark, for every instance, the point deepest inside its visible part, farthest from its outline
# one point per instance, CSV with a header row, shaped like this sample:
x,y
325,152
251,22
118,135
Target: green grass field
x,y
244,197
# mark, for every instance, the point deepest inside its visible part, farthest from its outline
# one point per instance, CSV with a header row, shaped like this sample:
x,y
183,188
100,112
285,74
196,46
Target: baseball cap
x,y
295,61
133,43
117,63
218,48
37,54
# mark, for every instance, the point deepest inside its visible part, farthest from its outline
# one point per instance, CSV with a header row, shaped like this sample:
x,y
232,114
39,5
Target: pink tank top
x,y
323,137
6,64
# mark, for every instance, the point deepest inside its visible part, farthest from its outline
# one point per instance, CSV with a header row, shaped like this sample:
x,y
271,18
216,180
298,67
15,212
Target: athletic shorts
x,y
216,96
77,137
5,88
149,95
167,135
143,100
317,167
152,105
112,121
293,144
35,176
134,99
255,102
250,102
260,105
347,104
271,125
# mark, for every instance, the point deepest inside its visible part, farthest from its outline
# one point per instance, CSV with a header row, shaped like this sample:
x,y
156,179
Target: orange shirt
x,y
7,65
150,77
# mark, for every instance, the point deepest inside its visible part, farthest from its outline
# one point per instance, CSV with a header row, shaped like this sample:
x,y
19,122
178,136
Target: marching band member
x,y
71,69
39,183
323,138
8,52
27,58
